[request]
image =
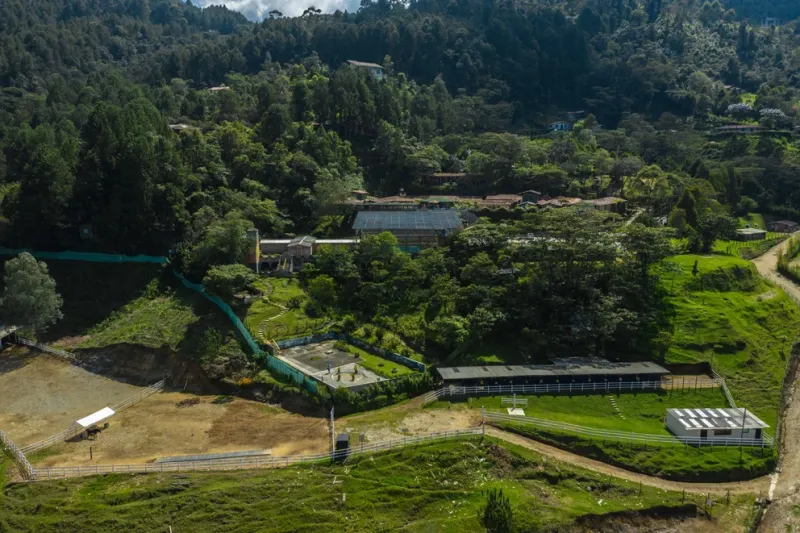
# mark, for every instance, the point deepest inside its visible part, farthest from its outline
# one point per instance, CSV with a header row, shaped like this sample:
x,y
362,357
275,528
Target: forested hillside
x,y
276,130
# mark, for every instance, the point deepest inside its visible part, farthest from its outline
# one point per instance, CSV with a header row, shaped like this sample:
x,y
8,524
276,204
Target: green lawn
x,y
161,320
279,294
644,412
742,323
439,487
383,367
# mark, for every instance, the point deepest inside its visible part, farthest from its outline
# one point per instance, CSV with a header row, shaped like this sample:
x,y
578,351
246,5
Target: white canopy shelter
x,y
96,418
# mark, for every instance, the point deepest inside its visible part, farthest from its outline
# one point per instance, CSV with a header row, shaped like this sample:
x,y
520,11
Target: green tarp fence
x,y
88,256
197,287
273,363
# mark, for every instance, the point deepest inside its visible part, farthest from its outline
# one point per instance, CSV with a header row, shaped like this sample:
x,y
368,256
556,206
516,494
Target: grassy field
x,y
684,463
728,315
437,487
383,367
643,412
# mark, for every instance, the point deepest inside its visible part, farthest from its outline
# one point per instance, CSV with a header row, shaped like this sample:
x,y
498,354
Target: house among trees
x,y
561,125
750,234
219,88
414,230
741,128
530,196
373,68
609,203
783,226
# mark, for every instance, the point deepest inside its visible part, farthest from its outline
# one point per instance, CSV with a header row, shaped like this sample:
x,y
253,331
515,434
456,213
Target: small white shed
x,y
715,423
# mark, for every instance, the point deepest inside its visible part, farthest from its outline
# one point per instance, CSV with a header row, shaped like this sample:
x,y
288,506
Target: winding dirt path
x,y
784,488
767,265
753,486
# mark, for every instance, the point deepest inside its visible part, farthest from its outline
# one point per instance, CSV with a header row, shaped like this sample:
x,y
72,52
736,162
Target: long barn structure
x,y
414,230
566,370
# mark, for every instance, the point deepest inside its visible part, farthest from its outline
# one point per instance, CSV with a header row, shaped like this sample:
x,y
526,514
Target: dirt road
x,y
785,487
752,486
767,265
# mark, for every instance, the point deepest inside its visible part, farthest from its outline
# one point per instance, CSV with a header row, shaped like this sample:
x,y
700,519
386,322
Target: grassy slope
x,y
644,412
383,367
293,323
685,463
135,304
428,488
747,334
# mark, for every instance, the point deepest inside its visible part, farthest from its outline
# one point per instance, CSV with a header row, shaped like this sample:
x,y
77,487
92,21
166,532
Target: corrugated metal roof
x,y
718,418
572,366
434,219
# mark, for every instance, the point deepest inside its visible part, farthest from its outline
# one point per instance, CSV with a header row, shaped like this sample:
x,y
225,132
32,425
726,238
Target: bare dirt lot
x,y
42,395
171,423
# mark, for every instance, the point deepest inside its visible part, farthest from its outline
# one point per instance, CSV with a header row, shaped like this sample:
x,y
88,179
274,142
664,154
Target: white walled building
x,y
715,424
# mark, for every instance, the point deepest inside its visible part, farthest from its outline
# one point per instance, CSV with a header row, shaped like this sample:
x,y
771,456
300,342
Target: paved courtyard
x,y
330,365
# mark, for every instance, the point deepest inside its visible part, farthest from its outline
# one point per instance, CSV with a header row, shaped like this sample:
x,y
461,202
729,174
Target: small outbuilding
x,y
750,234
783,226
715,423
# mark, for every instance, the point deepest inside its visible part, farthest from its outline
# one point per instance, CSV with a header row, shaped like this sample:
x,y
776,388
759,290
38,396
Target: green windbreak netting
x,y
273,363
88,256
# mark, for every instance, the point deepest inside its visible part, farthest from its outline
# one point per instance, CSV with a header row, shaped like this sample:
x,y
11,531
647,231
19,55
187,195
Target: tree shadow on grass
x,y
94,291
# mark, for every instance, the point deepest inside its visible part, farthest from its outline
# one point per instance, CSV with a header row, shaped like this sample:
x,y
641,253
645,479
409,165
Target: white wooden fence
x,y
725,390
16,454
626,436
250,462
556,388
75,429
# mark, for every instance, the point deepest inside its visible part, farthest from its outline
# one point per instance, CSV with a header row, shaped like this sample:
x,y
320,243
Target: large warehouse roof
x,y
697,419
424,219
571,366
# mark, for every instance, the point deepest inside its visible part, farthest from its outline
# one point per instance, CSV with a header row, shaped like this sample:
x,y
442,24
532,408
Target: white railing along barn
x,y
557,388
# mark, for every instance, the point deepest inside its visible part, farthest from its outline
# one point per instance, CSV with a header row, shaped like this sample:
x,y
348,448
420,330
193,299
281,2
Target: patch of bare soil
x,y
167,424
42,395
412,422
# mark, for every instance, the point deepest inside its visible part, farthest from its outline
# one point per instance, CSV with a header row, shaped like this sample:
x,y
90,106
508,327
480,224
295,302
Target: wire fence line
x,y
25,468
628,436
76,429
47,349
250,462
550,388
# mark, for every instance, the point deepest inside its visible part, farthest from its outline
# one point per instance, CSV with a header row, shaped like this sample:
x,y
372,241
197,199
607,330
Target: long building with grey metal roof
x,y
414,229
573,369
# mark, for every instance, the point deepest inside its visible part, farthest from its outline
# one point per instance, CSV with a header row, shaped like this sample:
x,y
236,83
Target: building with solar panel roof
x,y
414,230
715,423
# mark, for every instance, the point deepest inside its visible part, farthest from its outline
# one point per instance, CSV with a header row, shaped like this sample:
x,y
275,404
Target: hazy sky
x,y
259,9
